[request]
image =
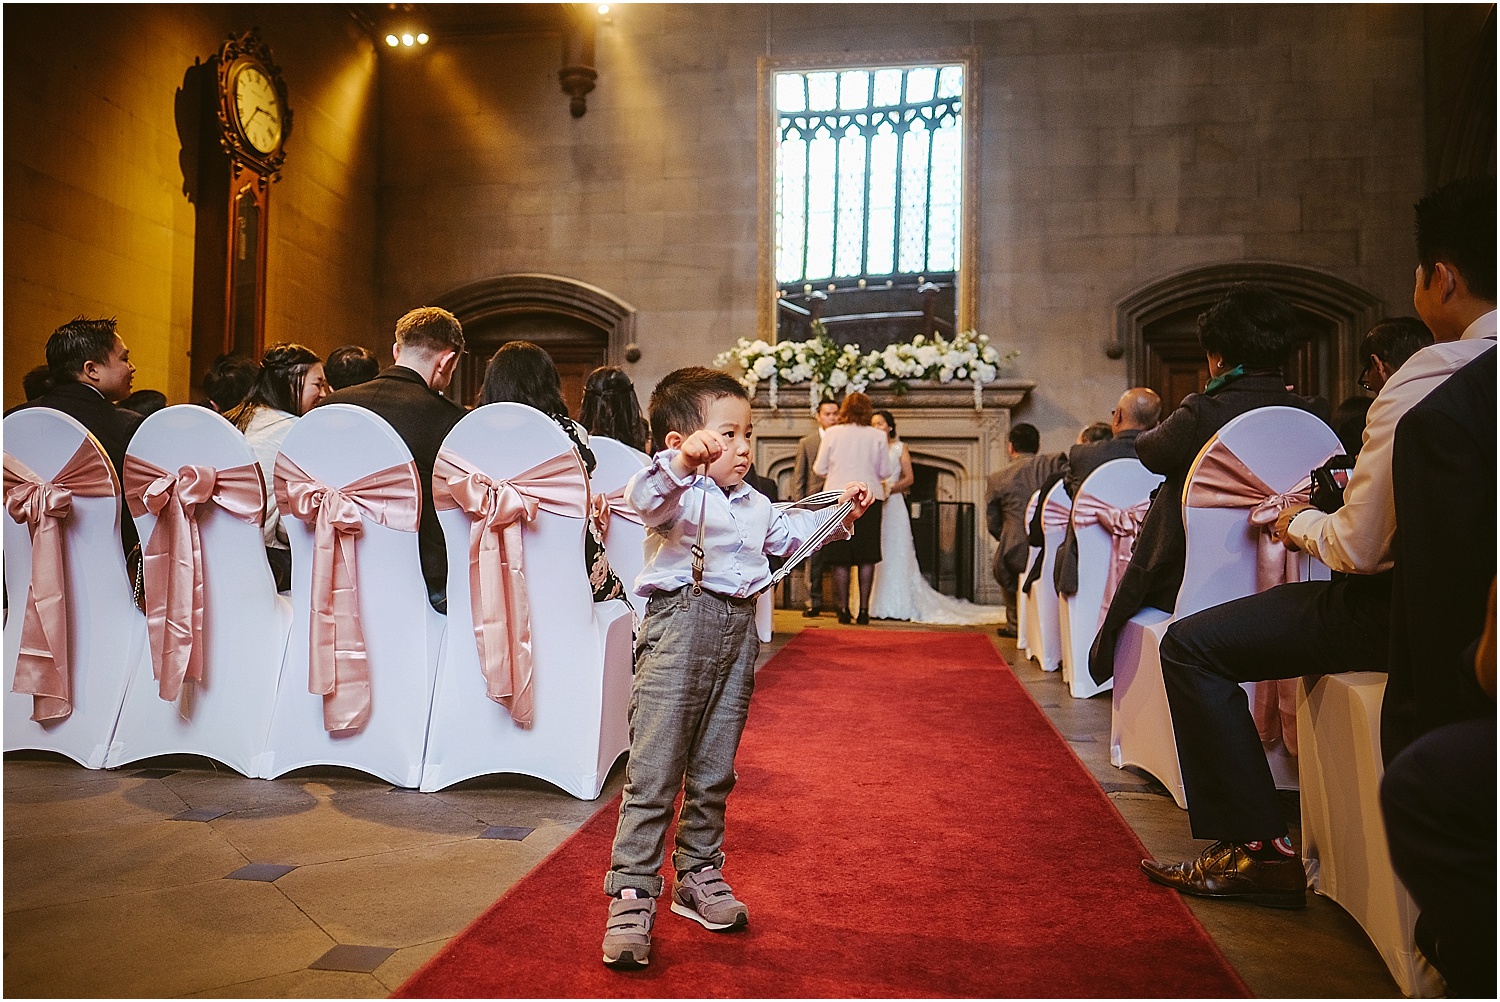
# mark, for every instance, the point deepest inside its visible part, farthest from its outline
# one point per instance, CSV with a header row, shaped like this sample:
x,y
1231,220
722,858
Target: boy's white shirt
x,y
740,528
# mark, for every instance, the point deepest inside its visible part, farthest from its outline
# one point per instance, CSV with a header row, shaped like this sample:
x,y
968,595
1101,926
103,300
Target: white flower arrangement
x,y
829,369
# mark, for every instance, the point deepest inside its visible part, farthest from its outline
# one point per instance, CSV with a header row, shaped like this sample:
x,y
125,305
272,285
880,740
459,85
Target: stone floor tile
x,y
349,957
153,773
406,962
269,872
64,866
511,833
331,829
200,814
159,943
99,800
441,890
307,984
522,800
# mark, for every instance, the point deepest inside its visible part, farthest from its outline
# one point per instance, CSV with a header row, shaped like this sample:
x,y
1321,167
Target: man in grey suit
x,y
805,482
1138,410
1005,511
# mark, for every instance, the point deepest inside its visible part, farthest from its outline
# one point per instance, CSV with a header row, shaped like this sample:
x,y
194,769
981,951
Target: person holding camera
x,y
1317,627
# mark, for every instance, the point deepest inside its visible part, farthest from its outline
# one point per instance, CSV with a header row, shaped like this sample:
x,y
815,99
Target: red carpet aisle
x,y
907,823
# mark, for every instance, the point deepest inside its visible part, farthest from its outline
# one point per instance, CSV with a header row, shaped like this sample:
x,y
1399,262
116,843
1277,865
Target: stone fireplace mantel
x,y
941,429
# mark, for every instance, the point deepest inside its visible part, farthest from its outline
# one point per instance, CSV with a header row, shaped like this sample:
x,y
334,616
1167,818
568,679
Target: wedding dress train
x,y
901,592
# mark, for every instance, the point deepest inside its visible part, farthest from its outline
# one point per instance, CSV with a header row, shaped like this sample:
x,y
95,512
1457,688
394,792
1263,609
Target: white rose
x,y
961,372
764,366
838,378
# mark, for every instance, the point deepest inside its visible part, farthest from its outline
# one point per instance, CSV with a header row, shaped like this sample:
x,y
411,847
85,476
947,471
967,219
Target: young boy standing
x,y
695,664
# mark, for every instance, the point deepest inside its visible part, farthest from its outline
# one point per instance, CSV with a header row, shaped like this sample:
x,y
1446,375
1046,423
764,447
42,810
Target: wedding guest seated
x,y
290,383
91,372
611,408
227,381
145,402
350,365
1005,510
521,372
36,382
1247,335
1138,410
409,395
1387,345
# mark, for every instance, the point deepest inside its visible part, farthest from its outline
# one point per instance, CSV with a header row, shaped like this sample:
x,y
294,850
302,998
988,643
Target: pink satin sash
x,y
1222,480
338,666
497,578
1123,525
1055,516
43,670
172,559
602,506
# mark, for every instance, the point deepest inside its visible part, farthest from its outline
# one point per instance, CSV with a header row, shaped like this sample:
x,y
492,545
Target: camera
x,y
1328,483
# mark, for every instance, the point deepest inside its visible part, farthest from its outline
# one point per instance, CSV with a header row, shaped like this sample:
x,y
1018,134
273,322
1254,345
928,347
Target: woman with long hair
x,y
522,373
289,383
853,451
610,407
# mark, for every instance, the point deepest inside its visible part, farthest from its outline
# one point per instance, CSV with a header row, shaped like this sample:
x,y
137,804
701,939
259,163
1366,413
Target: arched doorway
x,y
580,325
1157,326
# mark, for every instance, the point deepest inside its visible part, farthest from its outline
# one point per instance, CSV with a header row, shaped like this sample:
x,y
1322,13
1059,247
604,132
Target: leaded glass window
x,y
868,172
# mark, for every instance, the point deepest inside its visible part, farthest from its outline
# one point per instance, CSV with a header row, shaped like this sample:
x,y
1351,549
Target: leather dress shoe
x,y
811,613
1009,632
844,617
1226,870
863,619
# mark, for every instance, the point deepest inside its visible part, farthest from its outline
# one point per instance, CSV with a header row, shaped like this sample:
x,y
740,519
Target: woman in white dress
x,y
900,591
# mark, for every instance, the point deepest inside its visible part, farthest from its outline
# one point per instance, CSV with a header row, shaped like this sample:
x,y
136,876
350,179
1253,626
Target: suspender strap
x,y
698,545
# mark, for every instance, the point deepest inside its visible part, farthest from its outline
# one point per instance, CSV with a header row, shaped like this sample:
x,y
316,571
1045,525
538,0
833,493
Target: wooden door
x,y
1176,364
576,346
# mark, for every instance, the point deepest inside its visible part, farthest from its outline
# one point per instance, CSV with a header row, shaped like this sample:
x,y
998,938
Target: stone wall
x,y
96,218
1120,144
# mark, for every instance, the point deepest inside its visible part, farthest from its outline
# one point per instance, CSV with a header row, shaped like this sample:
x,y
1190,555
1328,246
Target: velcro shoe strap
x,y
626,913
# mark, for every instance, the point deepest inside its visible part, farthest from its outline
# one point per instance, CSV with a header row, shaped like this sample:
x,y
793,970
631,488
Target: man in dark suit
x,y
429,341
1138,410
1005,510
805,482
1344,624
91,372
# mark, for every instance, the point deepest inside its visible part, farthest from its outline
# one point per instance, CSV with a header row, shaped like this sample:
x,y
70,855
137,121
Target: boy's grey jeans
x,y
695,671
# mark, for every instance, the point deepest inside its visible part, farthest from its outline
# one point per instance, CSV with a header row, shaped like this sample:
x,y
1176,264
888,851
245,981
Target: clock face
x,y
258,108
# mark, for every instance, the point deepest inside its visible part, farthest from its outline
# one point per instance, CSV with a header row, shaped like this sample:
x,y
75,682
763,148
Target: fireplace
x,y
954,448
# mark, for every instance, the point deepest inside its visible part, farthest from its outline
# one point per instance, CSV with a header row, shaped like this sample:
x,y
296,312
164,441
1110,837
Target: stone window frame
x,y
766,143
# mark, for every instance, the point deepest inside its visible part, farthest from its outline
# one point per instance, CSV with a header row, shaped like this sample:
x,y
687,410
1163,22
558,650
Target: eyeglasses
x,y
1364,376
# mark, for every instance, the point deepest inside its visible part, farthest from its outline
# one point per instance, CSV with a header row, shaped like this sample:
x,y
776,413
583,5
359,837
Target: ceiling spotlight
x,y
407,40
392,41
422,38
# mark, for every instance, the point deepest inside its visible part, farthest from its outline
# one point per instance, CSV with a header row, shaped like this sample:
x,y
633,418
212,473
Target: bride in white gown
x,y
900,591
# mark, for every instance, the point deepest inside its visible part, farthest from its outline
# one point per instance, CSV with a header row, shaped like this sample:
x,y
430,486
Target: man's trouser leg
x,y
815,581
1312,628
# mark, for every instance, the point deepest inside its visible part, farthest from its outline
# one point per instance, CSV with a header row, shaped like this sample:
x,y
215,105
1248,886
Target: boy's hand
x,y
700,448
862,497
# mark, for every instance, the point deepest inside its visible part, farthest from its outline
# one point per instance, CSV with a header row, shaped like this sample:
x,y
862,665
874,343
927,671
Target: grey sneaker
x,y
627,934
703,896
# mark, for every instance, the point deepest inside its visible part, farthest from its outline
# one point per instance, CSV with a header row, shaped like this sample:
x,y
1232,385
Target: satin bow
x,y
338,667
43,670
602,506
172,558
497,579
1222,480
1055,515
1123,525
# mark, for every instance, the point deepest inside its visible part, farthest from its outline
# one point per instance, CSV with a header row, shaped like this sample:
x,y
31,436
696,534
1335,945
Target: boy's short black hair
x,y
1025,438
680,401
77,341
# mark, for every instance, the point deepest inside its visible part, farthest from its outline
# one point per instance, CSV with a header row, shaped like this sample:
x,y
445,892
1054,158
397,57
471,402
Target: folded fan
x,y
834,520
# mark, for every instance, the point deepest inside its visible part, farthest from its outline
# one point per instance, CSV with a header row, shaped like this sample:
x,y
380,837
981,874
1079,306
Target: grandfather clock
x,y
244,127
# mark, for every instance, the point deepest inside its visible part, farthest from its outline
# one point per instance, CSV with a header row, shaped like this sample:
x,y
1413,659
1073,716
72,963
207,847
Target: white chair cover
x,y
1120,483
106,632
1280,445
1343,831
625,541
1045,634
1023,600
338,444
245,623
581,651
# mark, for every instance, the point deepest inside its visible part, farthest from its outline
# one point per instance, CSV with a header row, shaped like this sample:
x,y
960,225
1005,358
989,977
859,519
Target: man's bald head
x,y
1139,408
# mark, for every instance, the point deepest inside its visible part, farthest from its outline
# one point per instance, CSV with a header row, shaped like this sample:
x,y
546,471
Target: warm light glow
x,y
392,41
604,8
422,38
407,40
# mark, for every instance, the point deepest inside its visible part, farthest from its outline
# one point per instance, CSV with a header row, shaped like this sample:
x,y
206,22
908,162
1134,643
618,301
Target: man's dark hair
x,y
1250,326
680,401
1394,340
1456,225
349,366
145,402
431,329
36,382
77,341
1097,432
1025,438
228,379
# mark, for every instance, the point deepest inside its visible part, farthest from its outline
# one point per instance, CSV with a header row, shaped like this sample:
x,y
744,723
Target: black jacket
x,y
423,419
1443,479
1155,571
1083,460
